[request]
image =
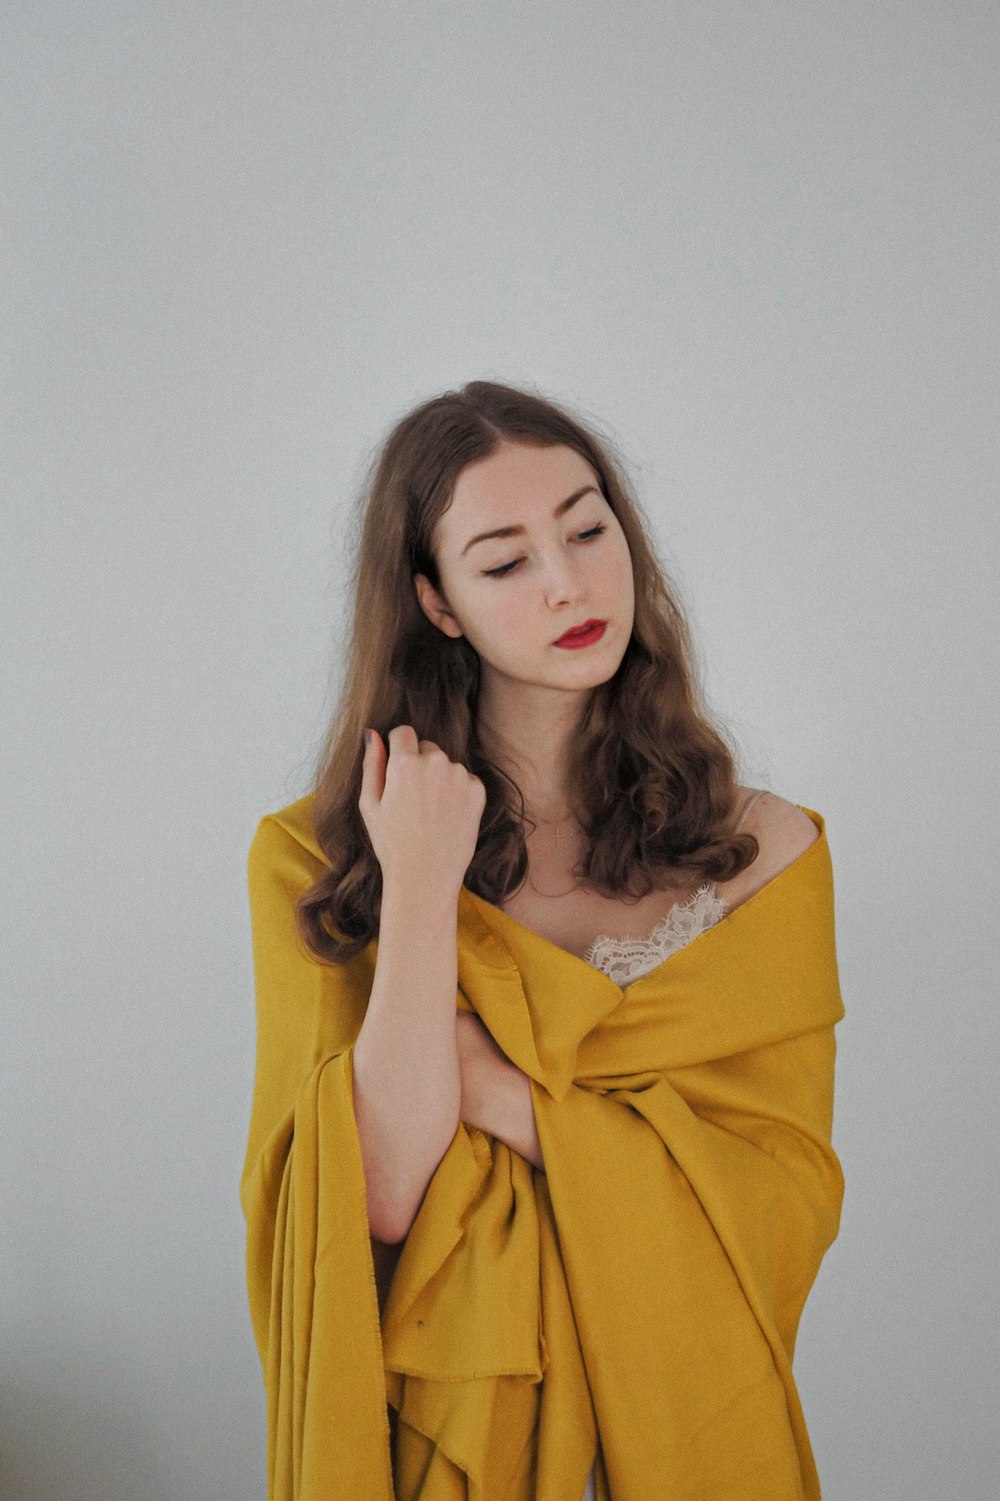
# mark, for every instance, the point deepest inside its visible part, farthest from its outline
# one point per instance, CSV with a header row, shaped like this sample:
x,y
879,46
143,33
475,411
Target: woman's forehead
x,y
511,492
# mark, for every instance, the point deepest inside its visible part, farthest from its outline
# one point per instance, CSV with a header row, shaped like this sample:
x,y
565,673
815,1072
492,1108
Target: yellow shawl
x,y
654,1275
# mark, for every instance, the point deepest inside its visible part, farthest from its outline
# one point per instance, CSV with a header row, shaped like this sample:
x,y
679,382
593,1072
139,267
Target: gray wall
x,y
756,244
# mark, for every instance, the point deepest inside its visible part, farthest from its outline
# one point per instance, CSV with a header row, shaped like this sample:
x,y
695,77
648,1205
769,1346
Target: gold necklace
x,y
553,823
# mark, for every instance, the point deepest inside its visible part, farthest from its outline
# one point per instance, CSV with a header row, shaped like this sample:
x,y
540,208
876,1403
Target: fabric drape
x,y
638,1302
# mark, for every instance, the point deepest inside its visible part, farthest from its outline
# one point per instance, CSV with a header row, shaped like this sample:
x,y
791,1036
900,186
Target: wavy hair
x,y
652,774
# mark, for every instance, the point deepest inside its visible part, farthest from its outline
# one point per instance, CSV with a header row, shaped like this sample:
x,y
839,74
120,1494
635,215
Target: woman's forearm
x,y
500,1104
406,1116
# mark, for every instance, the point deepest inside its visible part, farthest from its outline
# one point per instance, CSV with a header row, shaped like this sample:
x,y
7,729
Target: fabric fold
x,y
638,1302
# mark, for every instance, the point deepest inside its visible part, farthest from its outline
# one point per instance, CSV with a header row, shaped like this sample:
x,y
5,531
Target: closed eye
x,y
499,573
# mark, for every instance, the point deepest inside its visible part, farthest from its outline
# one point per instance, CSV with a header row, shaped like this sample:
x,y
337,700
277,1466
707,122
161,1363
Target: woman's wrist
x,y
524,1129
506,1111
496,1094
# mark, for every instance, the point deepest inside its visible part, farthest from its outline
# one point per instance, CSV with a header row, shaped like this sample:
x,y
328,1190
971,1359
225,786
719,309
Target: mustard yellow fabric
x,y
638,1302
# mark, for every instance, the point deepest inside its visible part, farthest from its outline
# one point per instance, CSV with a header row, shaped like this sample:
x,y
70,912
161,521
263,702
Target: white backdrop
x,y
756,244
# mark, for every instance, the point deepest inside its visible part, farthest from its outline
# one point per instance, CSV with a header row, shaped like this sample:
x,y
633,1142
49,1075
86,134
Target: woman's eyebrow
x,y
517,531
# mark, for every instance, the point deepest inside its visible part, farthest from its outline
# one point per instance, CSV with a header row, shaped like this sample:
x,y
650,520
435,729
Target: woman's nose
x,y
563,581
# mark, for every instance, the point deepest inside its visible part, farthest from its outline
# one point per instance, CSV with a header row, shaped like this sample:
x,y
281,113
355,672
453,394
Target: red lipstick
x,y
583,635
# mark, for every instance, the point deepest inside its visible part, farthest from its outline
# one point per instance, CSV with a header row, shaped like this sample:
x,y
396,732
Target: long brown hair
x,y
652,775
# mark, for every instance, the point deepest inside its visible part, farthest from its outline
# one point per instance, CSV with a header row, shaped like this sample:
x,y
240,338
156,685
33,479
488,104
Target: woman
x,y
542,797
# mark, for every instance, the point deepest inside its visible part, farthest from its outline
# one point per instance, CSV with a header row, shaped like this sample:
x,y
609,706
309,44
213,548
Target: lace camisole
x,y
625,959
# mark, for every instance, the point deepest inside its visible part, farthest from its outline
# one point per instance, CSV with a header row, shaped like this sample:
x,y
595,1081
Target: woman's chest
x,y
581,922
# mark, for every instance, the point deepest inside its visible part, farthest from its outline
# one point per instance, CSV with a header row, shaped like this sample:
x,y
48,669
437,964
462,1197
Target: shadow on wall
x,y
73,1433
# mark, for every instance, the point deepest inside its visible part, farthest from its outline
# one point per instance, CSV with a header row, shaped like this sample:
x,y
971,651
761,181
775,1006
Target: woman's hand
x,y
421,810
481,1064
496,1094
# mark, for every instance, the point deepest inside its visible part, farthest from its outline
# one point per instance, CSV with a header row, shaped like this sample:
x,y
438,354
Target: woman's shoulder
x,y
285,829
777,822
783,832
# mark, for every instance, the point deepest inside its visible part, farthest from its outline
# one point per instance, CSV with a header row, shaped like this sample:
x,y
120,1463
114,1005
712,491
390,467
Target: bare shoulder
x,y
782,831
781,828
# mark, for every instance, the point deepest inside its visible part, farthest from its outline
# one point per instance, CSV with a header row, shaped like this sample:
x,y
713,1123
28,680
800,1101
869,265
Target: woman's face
x,y
513,596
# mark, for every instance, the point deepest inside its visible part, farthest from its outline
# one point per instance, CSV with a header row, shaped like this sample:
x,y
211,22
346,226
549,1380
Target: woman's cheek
x,y
624,579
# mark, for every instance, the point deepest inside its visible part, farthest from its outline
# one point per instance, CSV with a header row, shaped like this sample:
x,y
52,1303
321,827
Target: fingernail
x,y
368,738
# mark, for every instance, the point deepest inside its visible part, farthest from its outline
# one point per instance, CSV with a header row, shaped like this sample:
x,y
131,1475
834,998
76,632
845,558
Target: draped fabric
x,y
637,1303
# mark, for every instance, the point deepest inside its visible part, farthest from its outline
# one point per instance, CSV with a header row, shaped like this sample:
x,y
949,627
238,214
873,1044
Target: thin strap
x,y
748,805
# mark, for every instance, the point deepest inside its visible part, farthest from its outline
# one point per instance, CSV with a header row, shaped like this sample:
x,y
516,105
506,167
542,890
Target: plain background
x,y
756,245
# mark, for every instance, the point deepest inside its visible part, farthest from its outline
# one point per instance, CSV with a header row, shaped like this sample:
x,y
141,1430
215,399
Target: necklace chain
x,y
553,823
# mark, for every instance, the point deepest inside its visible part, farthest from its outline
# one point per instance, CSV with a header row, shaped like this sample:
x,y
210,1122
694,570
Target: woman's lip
x,y
591,631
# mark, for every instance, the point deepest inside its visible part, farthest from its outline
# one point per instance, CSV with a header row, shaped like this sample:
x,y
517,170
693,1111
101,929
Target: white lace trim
x,y
625,959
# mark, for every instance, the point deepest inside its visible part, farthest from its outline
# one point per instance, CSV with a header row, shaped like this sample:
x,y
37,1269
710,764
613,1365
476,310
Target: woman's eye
x,y
499,573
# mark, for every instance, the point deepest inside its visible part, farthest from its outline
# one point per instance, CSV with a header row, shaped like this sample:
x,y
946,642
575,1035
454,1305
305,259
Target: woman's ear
x,y
435,606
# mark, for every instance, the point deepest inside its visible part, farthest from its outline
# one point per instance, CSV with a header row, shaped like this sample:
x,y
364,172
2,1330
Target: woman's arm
x,y
496,1094
406,1117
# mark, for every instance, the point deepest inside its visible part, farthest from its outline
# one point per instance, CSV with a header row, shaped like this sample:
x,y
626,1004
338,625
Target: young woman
x,y
570,1168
